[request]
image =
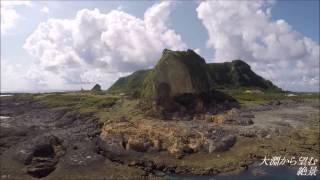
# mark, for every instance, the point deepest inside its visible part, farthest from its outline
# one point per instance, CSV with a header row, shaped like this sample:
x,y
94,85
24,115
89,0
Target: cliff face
x,y
181,72
177,72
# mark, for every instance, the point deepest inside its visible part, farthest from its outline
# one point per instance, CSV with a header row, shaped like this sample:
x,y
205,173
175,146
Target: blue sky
x,y
280,44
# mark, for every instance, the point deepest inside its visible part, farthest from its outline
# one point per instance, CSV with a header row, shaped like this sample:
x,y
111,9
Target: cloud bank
x,y
9,15
95,47
245,30
99,47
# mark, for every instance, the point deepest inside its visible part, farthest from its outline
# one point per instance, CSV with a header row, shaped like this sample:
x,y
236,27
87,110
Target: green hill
x,y
236,74
180,72
129,84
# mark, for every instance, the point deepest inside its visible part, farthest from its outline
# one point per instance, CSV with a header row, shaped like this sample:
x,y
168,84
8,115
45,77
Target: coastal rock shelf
x,y
39,140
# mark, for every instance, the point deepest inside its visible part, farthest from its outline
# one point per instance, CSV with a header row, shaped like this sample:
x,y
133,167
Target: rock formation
x,y
179,72
96,87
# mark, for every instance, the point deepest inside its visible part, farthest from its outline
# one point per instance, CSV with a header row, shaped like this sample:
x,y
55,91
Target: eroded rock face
x,y
172,78
40,155
176,138
233,116
176,73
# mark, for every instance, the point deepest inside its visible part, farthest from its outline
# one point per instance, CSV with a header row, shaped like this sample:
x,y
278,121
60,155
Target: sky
x,y
56,45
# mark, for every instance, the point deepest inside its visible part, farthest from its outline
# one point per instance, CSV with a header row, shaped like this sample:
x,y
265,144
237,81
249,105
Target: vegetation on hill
x,y
236,74
197,76
129,83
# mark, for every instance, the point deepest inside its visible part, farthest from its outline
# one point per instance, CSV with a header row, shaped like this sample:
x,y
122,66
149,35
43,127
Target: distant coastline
x,y
2,95
35,92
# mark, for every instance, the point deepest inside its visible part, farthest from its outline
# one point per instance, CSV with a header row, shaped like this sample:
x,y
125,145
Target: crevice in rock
x,y
43,157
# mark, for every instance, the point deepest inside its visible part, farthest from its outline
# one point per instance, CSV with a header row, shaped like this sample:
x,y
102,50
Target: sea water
x,y
3,95
253,173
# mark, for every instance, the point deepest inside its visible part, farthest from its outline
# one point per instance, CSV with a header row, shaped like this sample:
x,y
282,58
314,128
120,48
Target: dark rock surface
x,y
40,138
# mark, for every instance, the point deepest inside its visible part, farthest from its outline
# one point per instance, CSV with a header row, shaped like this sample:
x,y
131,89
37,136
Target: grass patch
x,y
78,100
102,105
245,98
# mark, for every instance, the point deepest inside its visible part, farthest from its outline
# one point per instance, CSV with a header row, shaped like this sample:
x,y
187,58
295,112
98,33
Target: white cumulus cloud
x,y
245,30
45,10
99,47
9,15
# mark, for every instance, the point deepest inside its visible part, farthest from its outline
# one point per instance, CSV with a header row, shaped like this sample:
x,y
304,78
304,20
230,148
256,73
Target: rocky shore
x,y
55,143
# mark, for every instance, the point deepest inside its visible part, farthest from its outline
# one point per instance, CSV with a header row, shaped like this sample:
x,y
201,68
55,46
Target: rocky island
x,y
184,117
